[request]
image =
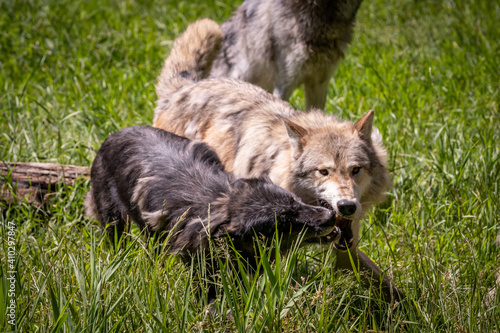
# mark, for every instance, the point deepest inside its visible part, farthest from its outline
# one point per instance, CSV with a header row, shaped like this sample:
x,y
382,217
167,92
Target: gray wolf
x,y
164,182
282,44
325,161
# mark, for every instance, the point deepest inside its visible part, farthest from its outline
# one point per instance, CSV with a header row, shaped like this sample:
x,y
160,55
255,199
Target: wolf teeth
x,y
325,204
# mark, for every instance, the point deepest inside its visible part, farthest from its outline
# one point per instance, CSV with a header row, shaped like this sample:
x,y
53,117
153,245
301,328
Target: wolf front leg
x,y
316,84
316,91
283,90
371,273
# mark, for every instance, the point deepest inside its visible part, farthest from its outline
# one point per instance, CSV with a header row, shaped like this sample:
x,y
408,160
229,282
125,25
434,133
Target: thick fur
x,y
281,44
164,182
255,133
318,157
204,36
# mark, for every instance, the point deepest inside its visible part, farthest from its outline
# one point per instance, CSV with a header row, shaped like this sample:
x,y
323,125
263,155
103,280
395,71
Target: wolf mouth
x,y
346,236
325,204
341,236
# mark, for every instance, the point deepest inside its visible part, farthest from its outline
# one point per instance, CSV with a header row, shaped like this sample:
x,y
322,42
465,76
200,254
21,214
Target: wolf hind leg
x,y
114,225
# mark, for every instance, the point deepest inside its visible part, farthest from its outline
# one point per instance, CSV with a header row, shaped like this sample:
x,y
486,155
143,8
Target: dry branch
x,y
34,181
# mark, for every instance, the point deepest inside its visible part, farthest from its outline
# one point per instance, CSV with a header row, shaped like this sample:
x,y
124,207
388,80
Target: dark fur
x,y
161,181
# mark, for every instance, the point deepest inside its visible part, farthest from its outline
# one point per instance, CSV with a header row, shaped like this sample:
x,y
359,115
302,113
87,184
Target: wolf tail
x,y
90,207
191,57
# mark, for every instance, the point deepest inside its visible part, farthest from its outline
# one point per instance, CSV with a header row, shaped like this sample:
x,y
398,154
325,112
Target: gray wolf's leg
x,y
371,270
315,92
283,90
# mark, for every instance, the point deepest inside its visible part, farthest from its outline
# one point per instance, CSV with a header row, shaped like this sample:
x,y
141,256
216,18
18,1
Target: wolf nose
x,y
329,218
346,207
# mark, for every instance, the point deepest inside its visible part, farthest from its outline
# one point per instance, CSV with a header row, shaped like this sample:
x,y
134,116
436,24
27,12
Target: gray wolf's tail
x,y
191,57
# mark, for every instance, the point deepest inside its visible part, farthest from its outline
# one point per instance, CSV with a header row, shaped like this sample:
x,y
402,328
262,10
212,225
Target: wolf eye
x,y
356,170
323,172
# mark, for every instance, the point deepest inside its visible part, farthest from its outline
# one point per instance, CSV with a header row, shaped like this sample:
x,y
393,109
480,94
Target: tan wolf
x,y
325,161
281,44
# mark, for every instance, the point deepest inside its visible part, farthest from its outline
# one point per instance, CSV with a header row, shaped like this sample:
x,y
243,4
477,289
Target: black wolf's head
x,y
259,207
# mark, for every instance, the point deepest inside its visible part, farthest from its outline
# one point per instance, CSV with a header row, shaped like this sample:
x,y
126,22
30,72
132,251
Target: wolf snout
x,y
323,220
346,207
327,218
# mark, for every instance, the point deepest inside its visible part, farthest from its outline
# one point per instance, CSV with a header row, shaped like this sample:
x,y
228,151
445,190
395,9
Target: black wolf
x,y
165,182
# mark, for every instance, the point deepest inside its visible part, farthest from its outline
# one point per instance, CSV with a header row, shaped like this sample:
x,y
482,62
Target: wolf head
x,y
339,165
257,206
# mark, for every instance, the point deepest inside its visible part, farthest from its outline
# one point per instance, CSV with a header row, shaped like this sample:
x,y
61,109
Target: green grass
x,y
71,72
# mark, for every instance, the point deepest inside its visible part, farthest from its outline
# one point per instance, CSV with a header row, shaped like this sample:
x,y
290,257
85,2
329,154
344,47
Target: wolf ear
x,y
364,126
296,135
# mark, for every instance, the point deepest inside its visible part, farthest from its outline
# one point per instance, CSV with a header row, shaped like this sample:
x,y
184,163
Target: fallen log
x,y
33,182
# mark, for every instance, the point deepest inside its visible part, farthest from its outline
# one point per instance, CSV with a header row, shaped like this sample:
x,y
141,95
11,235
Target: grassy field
x,y
71,72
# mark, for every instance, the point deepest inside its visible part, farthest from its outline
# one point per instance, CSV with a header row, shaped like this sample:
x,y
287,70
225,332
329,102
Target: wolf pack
x,y
228,158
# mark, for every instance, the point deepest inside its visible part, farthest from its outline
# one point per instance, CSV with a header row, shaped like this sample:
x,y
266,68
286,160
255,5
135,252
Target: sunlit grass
x,y
72,72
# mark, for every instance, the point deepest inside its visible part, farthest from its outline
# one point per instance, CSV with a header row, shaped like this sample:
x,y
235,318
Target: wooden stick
x,y
33,181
